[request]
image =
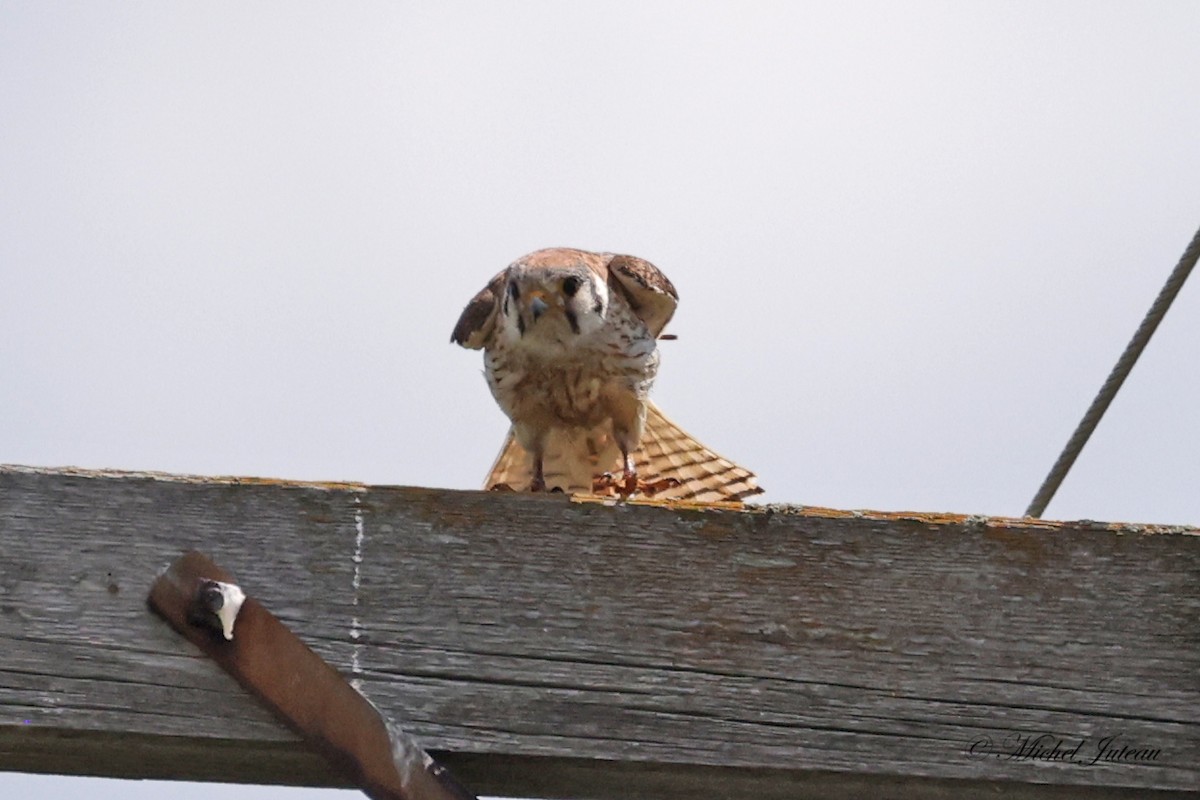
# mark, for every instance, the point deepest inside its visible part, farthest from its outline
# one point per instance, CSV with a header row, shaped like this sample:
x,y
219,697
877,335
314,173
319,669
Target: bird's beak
x,y
537,305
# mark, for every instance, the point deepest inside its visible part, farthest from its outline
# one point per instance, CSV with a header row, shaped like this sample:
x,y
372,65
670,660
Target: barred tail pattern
x,y
666,452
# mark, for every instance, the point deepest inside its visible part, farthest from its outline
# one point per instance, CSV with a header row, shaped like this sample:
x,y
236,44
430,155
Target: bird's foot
x,y
501,487
626,485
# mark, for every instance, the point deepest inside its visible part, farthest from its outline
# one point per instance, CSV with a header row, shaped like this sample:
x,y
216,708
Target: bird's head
x,y
551,297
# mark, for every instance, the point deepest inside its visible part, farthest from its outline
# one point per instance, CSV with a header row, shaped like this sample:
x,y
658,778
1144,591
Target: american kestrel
x,y
570,342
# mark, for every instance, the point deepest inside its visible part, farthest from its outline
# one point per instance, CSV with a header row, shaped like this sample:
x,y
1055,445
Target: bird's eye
x,y
514,291
570,286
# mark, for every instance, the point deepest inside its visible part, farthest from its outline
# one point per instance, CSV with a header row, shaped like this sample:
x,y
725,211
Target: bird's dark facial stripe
x,y
515,294
570,285
572,320
521,324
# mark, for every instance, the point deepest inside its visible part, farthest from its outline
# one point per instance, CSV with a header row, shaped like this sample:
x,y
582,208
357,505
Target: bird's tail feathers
x,y
668,455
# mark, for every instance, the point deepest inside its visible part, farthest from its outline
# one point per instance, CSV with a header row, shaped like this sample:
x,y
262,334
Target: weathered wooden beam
x,y
545,647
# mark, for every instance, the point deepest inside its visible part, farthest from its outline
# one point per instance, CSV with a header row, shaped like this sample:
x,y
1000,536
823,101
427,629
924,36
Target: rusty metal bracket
x,y
205,604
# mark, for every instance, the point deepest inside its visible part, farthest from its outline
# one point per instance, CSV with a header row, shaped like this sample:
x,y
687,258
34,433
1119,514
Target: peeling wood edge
x,y
982,521
935,519
174,477
813,512
148,757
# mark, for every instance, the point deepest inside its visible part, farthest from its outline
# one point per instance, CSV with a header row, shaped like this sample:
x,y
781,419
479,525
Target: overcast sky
x,y
910,240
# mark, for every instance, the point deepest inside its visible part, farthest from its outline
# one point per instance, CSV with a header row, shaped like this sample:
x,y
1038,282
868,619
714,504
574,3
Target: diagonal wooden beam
x,y
205,604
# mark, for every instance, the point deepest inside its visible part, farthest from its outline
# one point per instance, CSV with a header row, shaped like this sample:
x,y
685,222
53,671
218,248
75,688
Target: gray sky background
x,y
910,239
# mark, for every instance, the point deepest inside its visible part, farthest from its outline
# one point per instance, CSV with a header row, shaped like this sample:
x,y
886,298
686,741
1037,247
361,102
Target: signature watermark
x,y
1088,752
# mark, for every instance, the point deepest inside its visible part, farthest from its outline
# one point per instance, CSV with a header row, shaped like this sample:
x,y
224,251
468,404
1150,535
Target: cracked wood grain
x,y
542,647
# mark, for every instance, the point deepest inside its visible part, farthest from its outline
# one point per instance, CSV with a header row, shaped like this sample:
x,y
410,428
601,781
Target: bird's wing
x,y
666,452
650,293
474,327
